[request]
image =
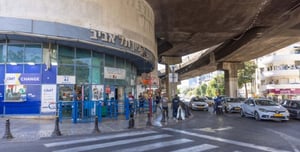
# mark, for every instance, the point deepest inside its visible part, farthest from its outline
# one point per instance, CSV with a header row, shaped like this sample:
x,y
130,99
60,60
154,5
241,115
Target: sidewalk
x,y
33,128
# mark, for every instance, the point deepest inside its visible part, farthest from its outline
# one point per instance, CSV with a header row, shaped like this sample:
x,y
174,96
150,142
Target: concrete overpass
x,y
234,31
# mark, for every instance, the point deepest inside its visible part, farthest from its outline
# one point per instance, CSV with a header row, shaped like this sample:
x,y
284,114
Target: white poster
x,y
114,73
97,92
65,79
48,98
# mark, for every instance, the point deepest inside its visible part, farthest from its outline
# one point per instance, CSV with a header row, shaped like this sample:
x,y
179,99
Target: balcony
x,y
278,73
281,59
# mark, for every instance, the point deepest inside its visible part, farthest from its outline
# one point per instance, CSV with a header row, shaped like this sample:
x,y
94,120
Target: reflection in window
x,y
83,57
33,53
2,53
82,74
15,93
65,55
66,70
15,53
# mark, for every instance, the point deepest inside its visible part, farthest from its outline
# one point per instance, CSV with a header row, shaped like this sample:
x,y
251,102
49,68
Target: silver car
x,y
264,109
198,103
232,104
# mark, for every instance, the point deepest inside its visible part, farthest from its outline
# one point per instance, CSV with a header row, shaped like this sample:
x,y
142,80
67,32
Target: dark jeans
x,y
166,110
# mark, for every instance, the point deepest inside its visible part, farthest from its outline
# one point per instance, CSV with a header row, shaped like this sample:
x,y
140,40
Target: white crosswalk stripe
x,y
127,134
155,145
130,141
114,143
198,148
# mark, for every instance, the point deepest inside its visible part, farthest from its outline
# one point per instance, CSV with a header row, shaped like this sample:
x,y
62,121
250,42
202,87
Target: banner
x,y
114,73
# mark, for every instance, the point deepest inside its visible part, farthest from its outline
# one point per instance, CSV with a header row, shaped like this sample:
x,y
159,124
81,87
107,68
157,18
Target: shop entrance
x,y
65,96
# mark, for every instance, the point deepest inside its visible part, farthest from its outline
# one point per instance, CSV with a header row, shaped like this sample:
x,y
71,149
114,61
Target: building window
x,y
2,53
15,53
66,55
33,53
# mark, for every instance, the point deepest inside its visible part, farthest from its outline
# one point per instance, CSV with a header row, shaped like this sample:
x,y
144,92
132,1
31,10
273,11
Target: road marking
x,y
249,145
198,148
110,144
127,134
208,129
155,145
290,140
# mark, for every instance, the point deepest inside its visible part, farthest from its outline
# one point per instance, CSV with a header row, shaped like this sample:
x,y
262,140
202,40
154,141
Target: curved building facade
x,y
70,50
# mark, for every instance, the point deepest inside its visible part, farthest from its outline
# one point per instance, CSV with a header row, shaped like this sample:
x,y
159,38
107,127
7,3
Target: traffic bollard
x,y
148,124
96,128
56,131
7,134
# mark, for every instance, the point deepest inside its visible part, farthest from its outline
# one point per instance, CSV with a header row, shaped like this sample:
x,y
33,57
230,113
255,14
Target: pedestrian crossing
x,y
136,141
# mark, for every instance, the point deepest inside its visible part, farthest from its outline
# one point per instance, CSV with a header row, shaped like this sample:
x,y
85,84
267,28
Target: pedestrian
x,y
165,107
131,102
157,101
181,111
175,104
141,103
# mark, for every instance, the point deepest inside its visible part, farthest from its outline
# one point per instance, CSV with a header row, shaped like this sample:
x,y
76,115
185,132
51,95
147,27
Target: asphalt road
x,y
204,132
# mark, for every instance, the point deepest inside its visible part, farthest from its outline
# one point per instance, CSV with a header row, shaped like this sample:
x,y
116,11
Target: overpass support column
x,y
231,77
171,85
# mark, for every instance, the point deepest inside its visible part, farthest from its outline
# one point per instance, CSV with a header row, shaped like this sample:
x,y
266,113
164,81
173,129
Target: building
x,y
68,50
279,74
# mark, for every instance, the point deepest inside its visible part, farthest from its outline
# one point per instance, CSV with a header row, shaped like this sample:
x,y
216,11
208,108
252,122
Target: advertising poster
x,y
97,92
48,98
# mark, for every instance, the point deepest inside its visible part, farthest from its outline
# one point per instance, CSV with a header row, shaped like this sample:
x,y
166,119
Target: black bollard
x,y
7,134
96,128
131,121
56,131
148,124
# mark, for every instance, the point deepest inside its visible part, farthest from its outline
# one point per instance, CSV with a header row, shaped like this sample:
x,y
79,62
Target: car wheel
x,y
242,113
256,116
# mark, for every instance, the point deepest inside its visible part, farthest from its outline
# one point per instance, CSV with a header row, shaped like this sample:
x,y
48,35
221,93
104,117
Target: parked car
x,y
232,104
264,109
198,103
209,100
293,106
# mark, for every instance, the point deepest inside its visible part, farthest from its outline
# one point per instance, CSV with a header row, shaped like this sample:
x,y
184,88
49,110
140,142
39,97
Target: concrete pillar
x,y
171,87
231,78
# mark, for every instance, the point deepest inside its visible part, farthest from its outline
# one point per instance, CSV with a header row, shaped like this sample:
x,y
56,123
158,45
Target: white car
x,y
232,104
197,103
264,109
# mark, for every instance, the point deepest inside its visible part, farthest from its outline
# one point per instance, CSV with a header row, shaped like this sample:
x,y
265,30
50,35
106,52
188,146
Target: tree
x,y
245,75
203,89
216,85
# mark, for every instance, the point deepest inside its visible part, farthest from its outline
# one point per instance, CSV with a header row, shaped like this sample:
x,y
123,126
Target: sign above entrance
x,y
114,73
65,79
24,78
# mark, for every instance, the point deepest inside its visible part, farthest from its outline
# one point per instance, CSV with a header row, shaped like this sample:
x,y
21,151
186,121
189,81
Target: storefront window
x,y
33,53
97,59
66,70
65,55
96,75
83,74
15,93
15,53
2,53
109,61
83,57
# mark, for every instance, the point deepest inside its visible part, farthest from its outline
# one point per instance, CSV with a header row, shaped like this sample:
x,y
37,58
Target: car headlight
x,y
262,110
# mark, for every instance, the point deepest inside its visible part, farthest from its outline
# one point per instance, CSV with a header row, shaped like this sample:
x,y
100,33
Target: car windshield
x,y
198,99
232,100
265,103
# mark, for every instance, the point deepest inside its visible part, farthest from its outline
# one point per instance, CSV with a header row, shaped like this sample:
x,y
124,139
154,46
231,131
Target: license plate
x,y
237,108
278,115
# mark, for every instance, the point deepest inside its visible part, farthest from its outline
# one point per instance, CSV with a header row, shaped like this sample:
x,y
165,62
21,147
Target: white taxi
x,y
264,109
